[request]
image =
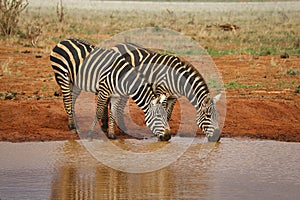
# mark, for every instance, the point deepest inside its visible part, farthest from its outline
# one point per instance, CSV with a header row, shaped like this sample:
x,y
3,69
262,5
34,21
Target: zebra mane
x,y
191,69
187,65
150,50
97,48
85,42
135,45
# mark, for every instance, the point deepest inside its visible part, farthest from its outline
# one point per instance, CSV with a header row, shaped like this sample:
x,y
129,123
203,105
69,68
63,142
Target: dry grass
x,y
10,11
6,67
263,28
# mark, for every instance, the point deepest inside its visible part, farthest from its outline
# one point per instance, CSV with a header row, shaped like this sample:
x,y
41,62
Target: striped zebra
x,y
106,72
173,77
67,58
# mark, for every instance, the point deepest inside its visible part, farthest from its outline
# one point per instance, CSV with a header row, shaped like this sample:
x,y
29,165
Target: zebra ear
x,y
162,98
216,98
154,101
206,101
159,99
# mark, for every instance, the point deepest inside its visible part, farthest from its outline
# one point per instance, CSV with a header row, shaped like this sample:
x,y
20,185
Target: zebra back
x,y
67,57
105,70
169,74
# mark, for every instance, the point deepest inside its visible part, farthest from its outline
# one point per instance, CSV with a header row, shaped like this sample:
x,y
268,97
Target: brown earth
x,y
262,101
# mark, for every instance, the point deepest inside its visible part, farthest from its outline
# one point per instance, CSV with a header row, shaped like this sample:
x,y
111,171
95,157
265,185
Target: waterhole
x,y
234,169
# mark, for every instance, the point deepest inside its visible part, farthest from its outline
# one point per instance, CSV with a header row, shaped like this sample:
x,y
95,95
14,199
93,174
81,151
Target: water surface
x,y
235,169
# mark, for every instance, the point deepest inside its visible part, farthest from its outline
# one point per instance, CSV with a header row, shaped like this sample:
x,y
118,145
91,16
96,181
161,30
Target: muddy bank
x,y
45,120
263,100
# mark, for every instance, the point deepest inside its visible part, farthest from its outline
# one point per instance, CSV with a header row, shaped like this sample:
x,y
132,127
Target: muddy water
x,y
234,169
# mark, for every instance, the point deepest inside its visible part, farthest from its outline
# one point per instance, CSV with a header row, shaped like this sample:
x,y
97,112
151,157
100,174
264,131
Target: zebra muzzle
x,y
166,136
215,137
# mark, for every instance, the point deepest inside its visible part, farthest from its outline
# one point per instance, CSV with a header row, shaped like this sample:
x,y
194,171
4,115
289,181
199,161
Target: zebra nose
x,y
215,137
167,130
166,136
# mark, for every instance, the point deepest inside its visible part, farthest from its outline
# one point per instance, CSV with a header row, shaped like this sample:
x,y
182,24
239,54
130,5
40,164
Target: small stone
x,y
284,56
56,94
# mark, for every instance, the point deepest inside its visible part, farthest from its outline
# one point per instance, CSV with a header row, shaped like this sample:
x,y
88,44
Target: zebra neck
x,y
143,96
196,94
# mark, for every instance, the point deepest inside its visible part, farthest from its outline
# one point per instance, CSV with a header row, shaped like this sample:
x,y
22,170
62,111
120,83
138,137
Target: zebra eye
x,y
208,115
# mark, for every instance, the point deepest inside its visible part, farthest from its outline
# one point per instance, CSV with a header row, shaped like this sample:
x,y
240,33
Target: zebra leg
x,y
120,112
170,106
68,104
114,103
104,118
101,106
75,93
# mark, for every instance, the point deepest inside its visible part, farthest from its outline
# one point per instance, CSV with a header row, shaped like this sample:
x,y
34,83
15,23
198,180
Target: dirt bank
x,y
44,120
262,101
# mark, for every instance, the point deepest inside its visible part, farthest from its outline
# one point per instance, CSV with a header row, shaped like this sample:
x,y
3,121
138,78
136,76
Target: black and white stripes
x,y
151,79
175,77
80,66
66,58
106,72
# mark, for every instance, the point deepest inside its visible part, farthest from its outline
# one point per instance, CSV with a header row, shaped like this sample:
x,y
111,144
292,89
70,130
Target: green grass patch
x,y
260,51
297,90
293,72
44,88
236,85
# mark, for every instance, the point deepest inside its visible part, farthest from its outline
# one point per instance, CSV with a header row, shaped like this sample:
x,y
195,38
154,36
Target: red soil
x,y
29,111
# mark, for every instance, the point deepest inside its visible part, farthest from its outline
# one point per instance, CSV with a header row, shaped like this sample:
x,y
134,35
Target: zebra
x,y
66,58
106,72
174,77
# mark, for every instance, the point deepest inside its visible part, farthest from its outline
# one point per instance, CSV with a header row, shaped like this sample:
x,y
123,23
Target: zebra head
x,y
207,119
156,119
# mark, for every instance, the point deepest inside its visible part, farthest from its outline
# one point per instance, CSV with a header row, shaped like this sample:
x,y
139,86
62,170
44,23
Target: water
x,y
235,169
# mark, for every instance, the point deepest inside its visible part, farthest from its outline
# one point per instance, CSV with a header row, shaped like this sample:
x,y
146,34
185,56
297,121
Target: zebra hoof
x,y
112,136
74,131
104,128
164,137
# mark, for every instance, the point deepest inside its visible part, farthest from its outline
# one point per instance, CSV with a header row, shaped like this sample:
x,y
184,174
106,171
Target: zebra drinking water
x,y
106,73
173,77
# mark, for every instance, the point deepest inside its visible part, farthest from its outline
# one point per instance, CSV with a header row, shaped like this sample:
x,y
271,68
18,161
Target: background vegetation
x,y
10,11
245,30
266,29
